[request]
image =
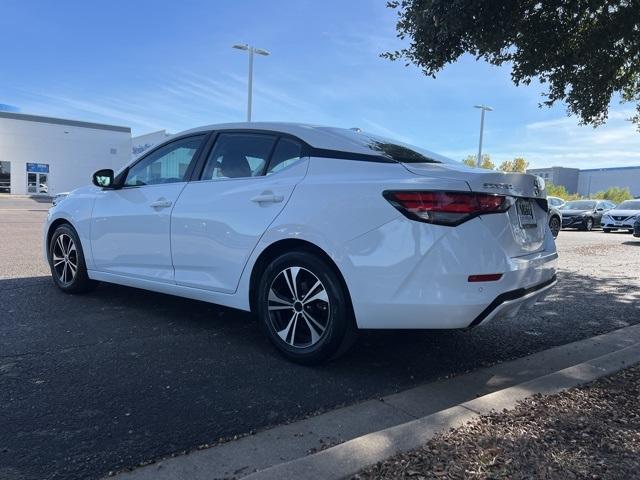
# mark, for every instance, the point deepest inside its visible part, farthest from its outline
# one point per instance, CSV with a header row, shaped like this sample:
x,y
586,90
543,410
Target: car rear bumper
x,y
416,280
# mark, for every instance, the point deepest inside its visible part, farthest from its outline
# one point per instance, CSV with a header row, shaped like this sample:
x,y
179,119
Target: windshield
x,y
579,205
629,205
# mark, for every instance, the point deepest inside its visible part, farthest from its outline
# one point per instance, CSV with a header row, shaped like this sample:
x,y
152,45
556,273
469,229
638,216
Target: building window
x,y
5,177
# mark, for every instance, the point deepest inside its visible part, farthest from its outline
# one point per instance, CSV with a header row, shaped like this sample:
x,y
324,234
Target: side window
x,y
238,155
287,152
168,164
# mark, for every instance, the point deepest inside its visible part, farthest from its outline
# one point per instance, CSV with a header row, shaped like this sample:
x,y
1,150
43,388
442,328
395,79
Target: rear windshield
x,y
629,205
579,205
393,149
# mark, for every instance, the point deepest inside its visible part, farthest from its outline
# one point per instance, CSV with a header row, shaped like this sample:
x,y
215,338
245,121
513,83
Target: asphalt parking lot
x,y
95,383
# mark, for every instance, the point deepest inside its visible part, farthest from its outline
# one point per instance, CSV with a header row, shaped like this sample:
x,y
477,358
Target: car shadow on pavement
x,y
119,376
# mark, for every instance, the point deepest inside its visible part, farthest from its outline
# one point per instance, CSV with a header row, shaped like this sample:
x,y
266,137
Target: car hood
x,y
623,213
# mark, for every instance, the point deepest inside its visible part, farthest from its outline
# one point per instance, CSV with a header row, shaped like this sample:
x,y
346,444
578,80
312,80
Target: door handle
x,y
161,203
267,198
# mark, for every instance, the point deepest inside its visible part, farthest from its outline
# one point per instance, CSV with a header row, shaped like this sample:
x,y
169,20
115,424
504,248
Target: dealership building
x,y
44,155
589,181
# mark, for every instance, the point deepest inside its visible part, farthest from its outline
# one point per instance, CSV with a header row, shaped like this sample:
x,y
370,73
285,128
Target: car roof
x,y
352,140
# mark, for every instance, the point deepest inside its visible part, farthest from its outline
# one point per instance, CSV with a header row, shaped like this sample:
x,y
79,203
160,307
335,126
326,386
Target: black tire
x,y
606,230
587,224
61,262
335,314
555,225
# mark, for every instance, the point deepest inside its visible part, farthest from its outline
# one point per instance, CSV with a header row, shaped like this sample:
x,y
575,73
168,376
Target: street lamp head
x,y
260,51
484,107
241,46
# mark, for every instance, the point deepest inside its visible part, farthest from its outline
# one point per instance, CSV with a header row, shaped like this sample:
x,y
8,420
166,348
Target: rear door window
x,y
238,155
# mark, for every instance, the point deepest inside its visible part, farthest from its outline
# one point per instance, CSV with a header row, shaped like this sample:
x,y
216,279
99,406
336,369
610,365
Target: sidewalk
x,y
592,431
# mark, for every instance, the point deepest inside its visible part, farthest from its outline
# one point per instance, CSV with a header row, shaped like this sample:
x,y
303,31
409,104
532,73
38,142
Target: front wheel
x,y
304,309
606,230
588,224
66,261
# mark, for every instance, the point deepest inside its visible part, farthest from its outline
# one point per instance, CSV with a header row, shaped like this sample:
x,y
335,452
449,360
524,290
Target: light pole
x,y
483,108
251,50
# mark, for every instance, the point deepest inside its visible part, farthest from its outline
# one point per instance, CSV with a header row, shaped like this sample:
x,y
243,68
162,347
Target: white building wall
x,y
592,181
72,152
144,142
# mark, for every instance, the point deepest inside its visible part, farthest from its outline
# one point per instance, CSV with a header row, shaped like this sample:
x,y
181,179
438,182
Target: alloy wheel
x,y
65,259
298,307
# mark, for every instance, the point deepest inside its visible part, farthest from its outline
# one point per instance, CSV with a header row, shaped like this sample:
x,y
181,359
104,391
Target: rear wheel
x,y
554,225
304,308
66,261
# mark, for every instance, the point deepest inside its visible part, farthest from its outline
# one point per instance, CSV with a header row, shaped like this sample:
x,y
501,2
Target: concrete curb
x,y
350,457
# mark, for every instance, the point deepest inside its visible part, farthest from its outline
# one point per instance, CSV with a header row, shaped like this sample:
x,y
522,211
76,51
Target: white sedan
x,y
319,231
622,217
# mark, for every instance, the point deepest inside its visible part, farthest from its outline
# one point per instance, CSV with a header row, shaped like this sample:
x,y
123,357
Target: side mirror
x,y
103,178
600,209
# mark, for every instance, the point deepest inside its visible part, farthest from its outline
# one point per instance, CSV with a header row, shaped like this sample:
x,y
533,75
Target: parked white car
x,y
621,217
320,231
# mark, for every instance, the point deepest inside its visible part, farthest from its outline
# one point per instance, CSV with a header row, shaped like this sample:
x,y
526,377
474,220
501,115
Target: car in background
x,y
555,220
622,217
636,228
319,231
584,214
555,202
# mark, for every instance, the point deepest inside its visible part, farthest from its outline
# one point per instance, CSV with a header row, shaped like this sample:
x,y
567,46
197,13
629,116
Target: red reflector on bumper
x,y
490,277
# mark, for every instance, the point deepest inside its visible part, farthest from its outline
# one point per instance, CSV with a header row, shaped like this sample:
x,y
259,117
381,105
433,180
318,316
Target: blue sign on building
x,y
37,167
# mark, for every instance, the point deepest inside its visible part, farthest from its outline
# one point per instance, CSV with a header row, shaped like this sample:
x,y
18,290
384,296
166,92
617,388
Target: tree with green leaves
x,y
586,51
518,164
472,161
615,194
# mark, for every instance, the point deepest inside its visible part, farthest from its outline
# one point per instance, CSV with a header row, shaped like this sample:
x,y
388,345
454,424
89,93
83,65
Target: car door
x,y
245,182
130,227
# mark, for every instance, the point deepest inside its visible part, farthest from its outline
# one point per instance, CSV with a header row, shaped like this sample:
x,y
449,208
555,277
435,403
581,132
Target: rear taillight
x,y
445,208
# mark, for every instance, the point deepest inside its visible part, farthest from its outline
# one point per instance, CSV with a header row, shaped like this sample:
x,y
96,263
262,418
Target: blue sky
x,y
157,65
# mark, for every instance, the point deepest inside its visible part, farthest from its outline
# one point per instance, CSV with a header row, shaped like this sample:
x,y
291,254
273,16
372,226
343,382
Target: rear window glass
x,y
629,205
392,149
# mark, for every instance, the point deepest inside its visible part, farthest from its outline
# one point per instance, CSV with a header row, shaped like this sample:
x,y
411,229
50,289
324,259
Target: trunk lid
x,y
522,228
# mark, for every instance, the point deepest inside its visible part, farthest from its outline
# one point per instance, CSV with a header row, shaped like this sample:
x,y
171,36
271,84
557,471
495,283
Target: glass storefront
x,y
5,177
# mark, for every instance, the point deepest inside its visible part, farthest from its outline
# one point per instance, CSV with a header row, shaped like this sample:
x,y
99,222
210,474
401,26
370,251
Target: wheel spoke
x,y
60,244
313,328
311,290
284,333
64,273
275,298
321,295
72,269
291,282
280,307
57,260
309,318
